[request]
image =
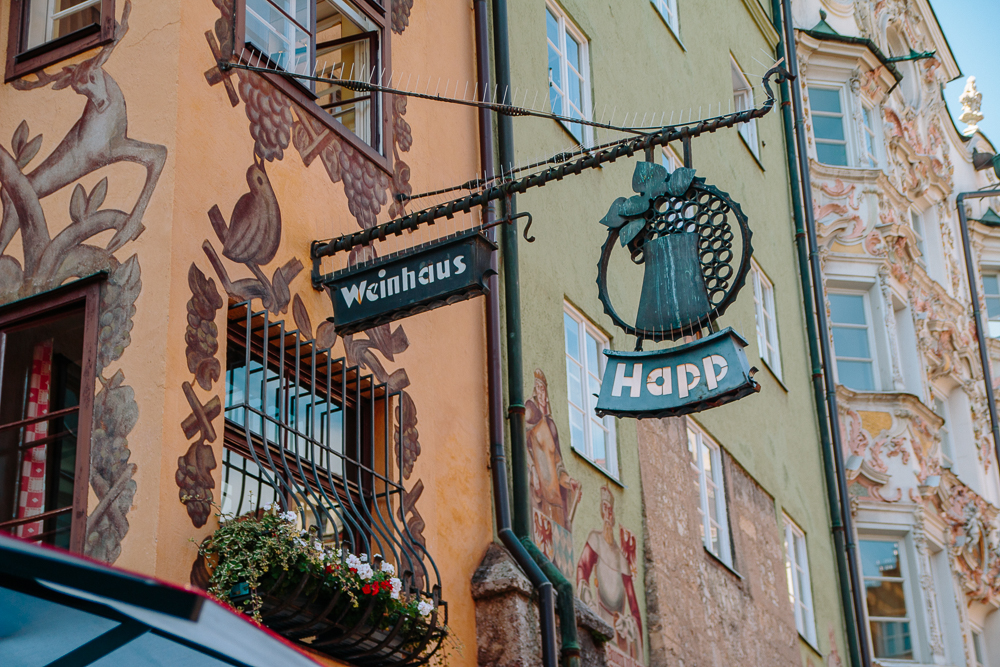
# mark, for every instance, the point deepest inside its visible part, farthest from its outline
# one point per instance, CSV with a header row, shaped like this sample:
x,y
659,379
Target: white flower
x,y
388,568
365,571
425,608
353,562
397,586
289,516
364,558
267,507
300,542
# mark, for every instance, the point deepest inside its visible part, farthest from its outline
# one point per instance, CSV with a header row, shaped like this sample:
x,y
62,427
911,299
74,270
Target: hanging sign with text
x,y
398,286
688,378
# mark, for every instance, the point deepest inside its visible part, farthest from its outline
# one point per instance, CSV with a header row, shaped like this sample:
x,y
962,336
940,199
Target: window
x,y
46,387
917,223
852,340
670,159
767,325
569,73
978,648
743,100
590,435
991,290
947,453
799,588
706,464
43,32
668,10
885,591
334,37
868,128
828,125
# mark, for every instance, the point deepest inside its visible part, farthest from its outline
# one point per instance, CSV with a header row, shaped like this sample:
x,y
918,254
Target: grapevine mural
x,y
99,138
250,236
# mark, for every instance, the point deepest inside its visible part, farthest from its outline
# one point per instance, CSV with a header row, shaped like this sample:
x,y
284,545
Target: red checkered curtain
x,y
32,498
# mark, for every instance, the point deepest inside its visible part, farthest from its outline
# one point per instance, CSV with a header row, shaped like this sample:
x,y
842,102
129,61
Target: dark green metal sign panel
x,y
677,381
414,282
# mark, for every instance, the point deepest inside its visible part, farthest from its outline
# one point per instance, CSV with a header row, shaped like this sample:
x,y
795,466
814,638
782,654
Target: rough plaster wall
x,y
699,613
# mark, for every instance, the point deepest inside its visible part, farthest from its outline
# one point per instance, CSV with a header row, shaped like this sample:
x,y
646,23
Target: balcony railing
x,y
308,432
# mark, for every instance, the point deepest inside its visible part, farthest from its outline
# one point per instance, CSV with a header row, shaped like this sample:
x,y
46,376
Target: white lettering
x,y
659,374
683,384
459,265
426,275
381,283
370,293
711,377
409,279
444,269
392,285
354,293
634,383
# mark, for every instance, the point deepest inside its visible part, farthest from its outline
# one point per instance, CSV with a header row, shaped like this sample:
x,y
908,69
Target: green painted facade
x,y
639,65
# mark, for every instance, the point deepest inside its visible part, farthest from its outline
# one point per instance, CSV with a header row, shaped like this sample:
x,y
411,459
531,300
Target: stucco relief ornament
x,y
693,243
971,100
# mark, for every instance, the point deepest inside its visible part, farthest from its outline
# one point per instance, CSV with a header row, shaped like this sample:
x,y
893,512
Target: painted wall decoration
x,y
251,236
605,576
99,138
554,494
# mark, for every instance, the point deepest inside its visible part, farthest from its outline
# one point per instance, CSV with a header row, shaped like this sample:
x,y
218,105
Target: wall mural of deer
x,y
251,238
98,139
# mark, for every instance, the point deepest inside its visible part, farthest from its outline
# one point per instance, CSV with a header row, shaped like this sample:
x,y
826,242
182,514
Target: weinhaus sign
x,y
413,282
693,243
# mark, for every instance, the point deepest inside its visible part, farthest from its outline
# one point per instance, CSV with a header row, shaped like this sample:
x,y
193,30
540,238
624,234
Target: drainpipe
x,y
970,269
498,458
841,520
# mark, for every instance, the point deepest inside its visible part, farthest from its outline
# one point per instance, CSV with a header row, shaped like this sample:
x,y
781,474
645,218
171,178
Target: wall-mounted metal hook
x,y
529,239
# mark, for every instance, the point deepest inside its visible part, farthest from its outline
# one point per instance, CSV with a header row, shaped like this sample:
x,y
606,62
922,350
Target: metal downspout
x,y
498,458
841,520
970,269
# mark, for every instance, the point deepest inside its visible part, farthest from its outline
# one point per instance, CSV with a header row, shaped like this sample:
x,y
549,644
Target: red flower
x,y
329,569
354,570
366,589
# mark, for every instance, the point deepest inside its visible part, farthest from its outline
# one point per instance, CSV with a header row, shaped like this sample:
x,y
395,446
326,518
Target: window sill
x,y
44,55
750,150
812,645
304,101
776,376
598,468
722,563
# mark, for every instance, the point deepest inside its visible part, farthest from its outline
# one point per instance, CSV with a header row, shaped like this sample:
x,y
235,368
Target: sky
x,y
971,28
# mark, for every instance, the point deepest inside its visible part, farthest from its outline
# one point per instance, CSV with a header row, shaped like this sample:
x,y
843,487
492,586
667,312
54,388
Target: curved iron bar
x,y
593,159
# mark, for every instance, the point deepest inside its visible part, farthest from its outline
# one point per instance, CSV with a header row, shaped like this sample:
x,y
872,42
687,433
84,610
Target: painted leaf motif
x,y
78,203
613,219
680,181
20,136
29,152
649,179
97,196
631,230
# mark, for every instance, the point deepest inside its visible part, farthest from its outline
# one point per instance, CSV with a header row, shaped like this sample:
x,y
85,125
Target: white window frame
x,y
567,28
870,326
668,11
906,580
743,101
869,131
700,446
590,420
799,583
766,318
843,115
45,10
992,325
670,159
979,648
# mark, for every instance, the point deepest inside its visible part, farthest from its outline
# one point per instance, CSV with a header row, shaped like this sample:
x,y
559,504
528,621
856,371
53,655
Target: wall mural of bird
x,y
252,238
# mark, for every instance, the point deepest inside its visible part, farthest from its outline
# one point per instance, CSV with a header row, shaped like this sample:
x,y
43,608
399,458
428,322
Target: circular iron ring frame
x,y
739,279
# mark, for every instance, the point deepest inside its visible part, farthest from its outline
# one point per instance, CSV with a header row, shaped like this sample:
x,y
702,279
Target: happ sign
x,y
679,380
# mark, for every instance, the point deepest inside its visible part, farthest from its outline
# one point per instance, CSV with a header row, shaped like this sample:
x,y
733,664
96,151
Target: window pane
x,y
41,374
572,328
892,640
824,99
835,154
856,375
576,430
693,447
574,384
280,40
990,285
552,27
827,127
599,450
573,52
880,559
851,342
847,309
593,358
885,598
706,461
75,20
993,307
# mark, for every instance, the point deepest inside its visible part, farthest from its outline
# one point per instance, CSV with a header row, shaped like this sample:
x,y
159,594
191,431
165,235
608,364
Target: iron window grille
x,y
311,433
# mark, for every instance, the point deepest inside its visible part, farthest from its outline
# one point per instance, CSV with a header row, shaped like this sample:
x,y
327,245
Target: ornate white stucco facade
x,y
921,465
